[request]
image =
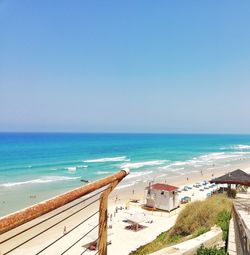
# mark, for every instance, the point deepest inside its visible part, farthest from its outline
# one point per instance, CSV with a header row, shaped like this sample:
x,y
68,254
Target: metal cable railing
x,y
78,240
68,233
86,249
49,218
26,241
18,240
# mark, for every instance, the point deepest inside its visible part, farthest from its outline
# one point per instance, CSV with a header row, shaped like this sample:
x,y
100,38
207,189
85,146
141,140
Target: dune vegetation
x,y
195,219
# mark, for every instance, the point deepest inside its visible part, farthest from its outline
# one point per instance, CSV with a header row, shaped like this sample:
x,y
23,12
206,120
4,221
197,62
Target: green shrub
x,y
195,219
174,239
211,251
223,220
157,244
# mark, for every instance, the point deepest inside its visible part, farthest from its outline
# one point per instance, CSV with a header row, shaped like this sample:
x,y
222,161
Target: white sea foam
x,y
102,172
82,166
165,167
222,158
40,180
101,160
241,147
72,169
218,156
138,174
177,169
142,164
179,163
237,147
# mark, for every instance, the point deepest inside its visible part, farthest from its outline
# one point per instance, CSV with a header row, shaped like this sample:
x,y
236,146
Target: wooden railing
x,y
16,224
242,231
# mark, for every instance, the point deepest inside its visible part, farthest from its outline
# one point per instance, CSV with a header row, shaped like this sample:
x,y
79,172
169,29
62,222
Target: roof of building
x,y
162,186
236,177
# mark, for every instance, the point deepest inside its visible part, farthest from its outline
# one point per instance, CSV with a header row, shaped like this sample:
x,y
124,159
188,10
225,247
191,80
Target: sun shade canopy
x,y
236,177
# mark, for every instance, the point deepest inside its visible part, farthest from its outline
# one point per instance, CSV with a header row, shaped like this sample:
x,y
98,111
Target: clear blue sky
x,y
125,66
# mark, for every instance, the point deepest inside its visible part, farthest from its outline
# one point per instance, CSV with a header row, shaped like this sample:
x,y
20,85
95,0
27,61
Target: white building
x,y
162,196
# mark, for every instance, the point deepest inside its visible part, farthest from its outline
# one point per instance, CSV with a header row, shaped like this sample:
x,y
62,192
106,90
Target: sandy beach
x,y
179,180
122,241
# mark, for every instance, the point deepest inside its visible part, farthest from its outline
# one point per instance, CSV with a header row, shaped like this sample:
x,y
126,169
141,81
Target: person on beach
x,y
64,230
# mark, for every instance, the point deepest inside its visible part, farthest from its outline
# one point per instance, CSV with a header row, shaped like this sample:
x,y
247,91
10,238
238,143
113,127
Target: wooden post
x,y
102,242
103,216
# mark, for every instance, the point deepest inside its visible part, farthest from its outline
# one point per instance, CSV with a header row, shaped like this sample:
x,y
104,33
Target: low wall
x,y
209,239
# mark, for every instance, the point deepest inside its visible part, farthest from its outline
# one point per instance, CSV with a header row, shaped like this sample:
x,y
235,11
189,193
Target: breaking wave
x,y
142,164
39,180
241,147
101,160
102,172
138,174
71,169
82,166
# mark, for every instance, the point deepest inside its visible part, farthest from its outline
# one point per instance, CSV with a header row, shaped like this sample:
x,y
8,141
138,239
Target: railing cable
x,y
77,241
54,215
88,248
68,232
51,227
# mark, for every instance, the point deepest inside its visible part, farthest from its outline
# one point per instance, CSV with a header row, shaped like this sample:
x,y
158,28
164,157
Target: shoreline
x,y
121,238
15,196
136,190
179,180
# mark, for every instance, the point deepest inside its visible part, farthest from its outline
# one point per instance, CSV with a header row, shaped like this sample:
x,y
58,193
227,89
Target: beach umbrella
x,y
135,216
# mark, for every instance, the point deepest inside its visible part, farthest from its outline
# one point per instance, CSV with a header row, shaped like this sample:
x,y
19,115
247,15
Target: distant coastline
x,y
36,166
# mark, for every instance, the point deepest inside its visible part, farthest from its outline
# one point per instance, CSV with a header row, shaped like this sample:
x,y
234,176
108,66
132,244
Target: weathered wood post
x,y
103,216
103,207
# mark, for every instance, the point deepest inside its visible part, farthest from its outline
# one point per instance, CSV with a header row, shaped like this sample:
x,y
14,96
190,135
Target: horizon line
x,y
123,132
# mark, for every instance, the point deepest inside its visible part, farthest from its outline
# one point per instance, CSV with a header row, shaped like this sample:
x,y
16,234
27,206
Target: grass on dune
x,y
202,215
195,219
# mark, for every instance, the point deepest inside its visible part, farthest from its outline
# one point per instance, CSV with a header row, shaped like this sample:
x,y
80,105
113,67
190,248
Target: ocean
x,y
37,166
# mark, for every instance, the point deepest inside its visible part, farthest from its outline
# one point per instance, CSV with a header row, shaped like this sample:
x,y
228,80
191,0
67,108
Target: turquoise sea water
x,y
44,164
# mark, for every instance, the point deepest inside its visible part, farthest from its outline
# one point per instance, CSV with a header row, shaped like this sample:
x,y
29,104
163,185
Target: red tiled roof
x,y
161,186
